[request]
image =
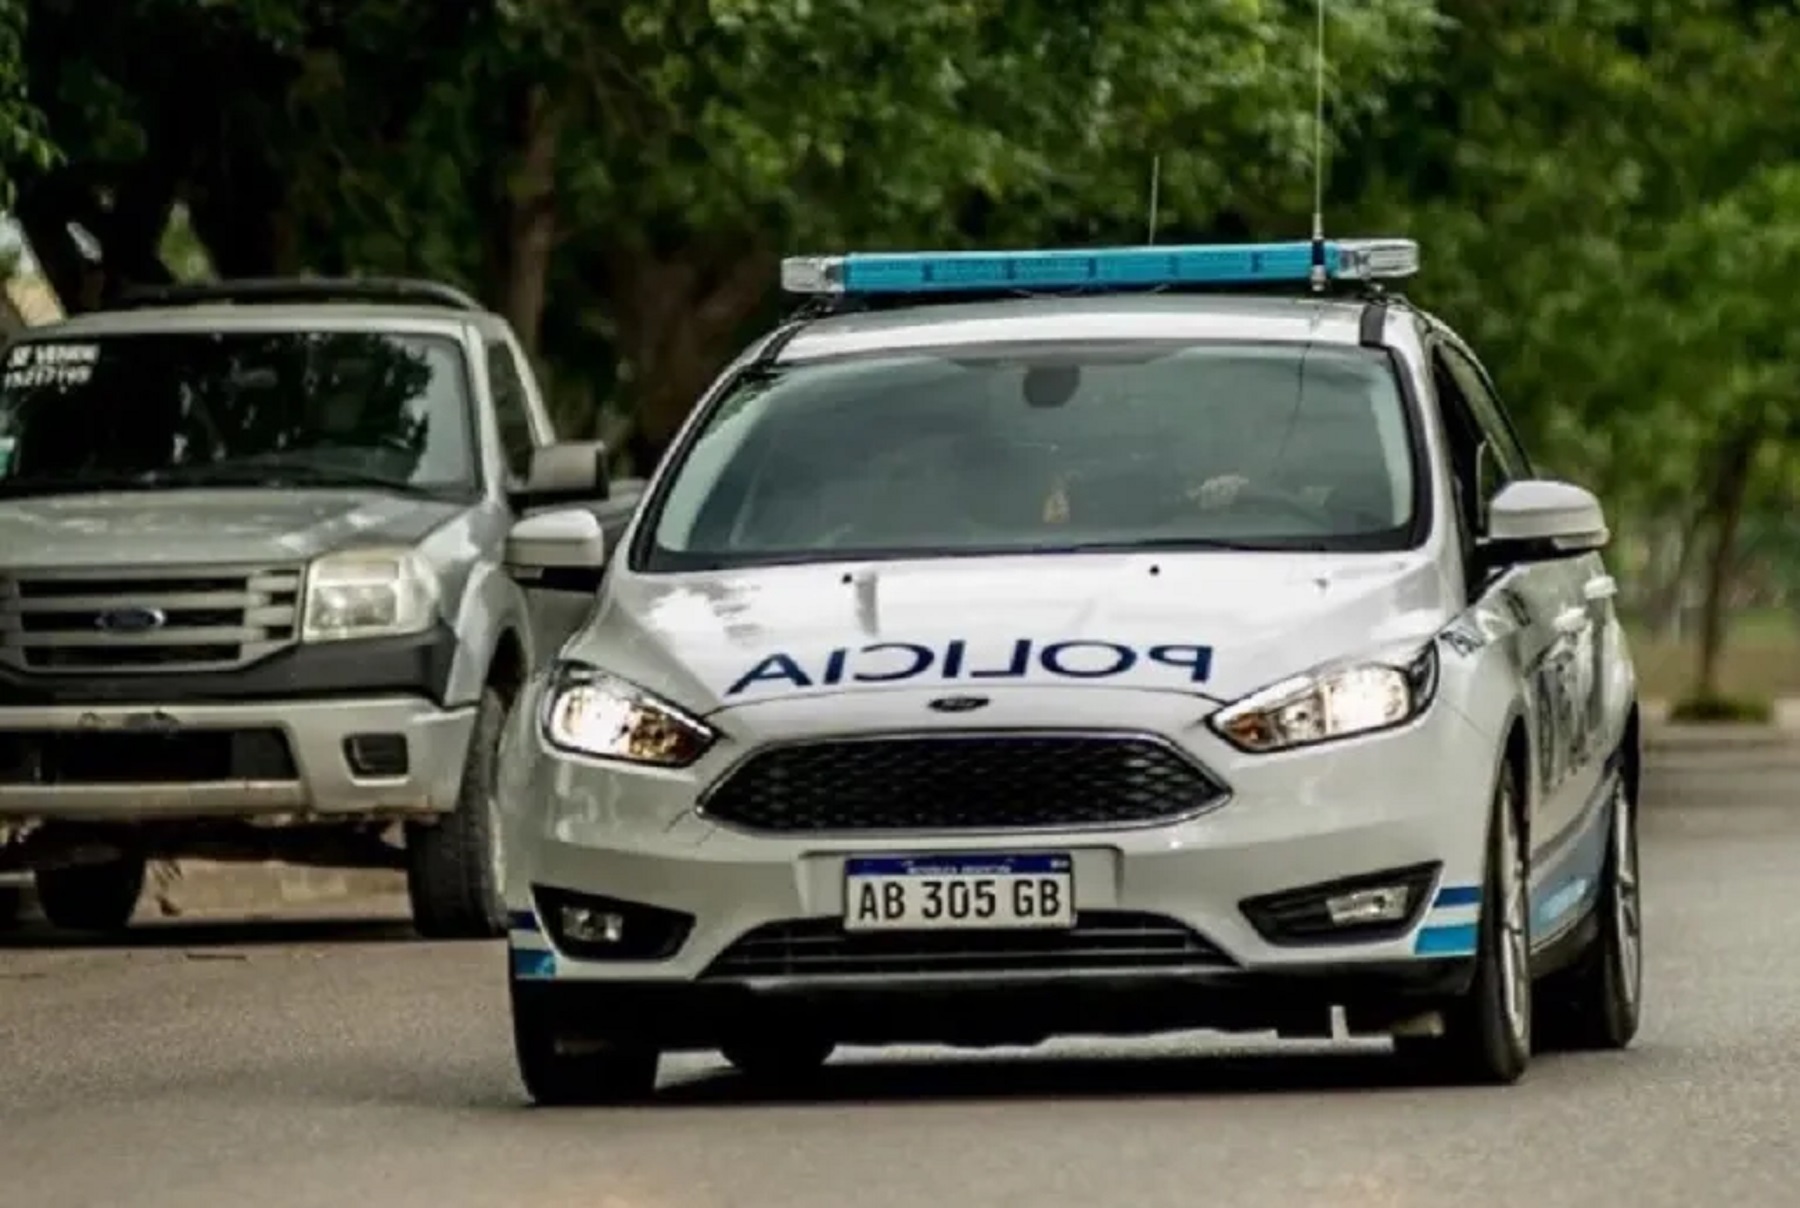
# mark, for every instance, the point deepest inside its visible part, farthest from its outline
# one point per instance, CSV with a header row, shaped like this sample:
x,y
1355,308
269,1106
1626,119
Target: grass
x,y
1760,663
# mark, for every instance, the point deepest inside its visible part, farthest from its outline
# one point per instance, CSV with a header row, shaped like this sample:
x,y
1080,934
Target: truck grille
x,y
120,622
963,782
1101,940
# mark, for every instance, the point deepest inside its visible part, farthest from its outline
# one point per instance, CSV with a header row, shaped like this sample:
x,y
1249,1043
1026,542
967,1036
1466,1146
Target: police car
x,y
1027,644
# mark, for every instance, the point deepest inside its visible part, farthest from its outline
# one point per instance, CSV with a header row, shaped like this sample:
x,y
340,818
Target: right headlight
x,y
588,712
1339,701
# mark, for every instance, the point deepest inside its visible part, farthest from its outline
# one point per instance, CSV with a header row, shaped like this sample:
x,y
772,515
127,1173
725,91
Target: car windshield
x,y
1044,448
300,408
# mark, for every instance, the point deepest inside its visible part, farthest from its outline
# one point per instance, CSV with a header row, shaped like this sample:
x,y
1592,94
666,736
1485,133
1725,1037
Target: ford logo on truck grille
x,y
131,620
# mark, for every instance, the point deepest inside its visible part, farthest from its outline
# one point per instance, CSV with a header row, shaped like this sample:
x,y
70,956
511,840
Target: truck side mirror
x,y
569,472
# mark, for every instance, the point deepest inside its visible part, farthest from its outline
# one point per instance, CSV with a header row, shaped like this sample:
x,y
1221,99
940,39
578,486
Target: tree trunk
x,y
529,234
676,327
1727,508
1665,612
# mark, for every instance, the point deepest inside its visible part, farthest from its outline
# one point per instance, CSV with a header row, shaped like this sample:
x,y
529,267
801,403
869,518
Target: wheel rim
x,y
1515,939
1628,923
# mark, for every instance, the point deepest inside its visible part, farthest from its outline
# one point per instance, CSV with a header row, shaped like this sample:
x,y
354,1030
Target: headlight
x,y
588,712
368,594
1332,702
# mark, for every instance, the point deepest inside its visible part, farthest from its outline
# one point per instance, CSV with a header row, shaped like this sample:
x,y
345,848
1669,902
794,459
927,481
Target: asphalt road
x,y
338,1063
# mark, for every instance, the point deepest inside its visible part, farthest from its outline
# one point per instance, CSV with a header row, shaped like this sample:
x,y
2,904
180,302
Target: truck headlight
x,y
587,712
368,594
1338,701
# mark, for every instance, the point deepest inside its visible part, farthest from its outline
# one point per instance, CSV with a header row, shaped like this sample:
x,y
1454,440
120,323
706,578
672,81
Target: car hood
x,y
1214,625
187,527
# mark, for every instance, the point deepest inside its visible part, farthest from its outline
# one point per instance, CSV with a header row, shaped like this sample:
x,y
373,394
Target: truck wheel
x,y
12,906
1594,1003
1487,1032
91,897
453,863
561,1067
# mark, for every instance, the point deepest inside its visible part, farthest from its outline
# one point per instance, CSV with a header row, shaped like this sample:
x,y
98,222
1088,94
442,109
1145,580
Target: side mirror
x,y
563,550
1540,520
565,473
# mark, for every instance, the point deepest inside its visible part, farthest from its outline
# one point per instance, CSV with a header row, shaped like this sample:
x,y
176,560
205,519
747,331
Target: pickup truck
x,y
253,603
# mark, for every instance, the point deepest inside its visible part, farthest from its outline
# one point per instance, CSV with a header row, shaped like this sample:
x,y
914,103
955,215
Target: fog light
x,y
586,925
1381,904
1365,908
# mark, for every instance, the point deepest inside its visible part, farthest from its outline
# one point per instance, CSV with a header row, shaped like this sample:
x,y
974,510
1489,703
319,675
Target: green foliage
x,y
24,144
1606,191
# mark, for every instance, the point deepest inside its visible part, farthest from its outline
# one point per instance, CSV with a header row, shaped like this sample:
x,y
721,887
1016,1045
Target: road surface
x,y
340,1063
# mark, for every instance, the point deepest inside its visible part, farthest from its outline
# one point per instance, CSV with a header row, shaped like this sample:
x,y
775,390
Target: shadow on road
x,y
1360,1070
218,933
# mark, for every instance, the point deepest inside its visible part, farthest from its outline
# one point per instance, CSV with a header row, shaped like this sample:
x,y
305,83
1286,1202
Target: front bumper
x,y
269,760
1411,801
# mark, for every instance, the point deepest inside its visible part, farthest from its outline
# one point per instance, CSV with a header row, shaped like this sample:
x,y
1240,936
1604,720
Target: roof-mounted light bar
x,y
1100,268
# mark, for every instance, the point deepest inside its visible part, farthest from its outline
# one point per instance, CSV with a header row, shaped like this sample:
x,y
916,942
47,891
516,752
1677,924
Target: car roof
x,y
263,317
1108,317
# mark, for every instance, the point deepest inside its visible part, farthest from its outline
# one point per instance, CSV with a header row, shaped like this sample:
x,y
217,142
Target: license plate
x,y
941,893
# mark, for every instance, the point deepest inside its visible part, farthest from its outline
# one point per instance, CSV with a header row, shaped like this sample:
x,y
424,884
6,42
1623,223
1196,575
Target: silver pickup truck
x,y
252,600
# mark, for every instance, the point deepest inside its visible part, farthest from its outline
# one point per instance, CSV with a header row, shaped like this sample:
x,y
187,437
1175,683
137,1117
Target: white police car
x,y
1028,644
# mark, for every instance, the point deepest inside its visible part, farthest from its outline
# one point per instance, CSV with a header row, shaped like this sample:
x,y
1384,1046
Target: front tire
x,y
453,865
92,897
562,1067
1594,1004
1487,1032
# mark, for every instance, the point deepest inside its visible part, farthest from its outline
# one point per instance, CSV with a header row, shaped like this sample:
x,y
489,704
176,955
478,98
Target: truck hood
x,y
1215,625
147,528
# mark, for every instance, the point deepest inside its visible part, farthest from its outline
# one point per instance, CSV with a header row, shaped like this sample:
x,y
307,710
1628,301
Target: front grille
x,y
1101,940
121,622
963,782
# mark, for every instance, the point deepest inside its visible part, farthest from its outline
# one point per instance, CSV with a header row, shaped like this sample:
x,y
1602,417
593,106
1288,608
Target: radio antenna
x,y
1155,194
1318,215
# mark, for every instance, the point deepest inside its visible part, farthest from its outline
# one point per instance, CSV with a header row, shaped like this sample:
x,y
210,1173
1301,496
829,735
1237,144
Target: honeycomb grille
x,y
963,782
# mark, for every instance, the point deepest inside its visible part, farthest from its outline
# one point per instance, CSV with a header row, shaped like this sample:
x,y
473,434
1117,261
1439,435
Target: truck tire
x,y
91,897
453,863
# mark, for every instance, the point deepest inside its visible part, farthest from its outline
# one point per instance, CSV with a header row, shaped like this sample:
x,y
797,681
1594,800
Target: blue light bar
x,y
1098,268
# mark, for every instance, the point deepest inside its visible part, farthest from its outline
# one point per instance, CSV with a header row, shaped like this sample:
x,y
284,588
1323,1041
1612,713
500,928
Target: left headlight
x,y
1339,701
588,712
371,593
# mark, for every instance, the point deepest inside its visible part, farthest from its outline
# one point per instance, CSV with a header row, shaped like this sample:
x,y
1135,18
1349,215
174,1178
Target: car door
x,y
1569,602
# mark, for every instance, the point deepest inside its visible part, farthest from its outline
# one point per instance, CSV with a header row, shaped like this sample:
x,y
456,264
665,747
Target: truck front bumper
x,y
316,760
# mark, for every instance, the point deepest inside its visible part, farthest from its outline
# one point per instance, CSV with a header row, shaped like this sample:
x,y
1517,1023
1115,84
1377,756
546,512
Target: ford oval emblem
x,y
131,620
958,704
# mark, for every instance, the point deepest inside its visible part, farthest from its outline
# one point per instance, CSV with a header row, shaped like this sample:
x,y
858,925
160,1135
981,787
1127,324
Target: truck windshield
x,y
1047,447
305,408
